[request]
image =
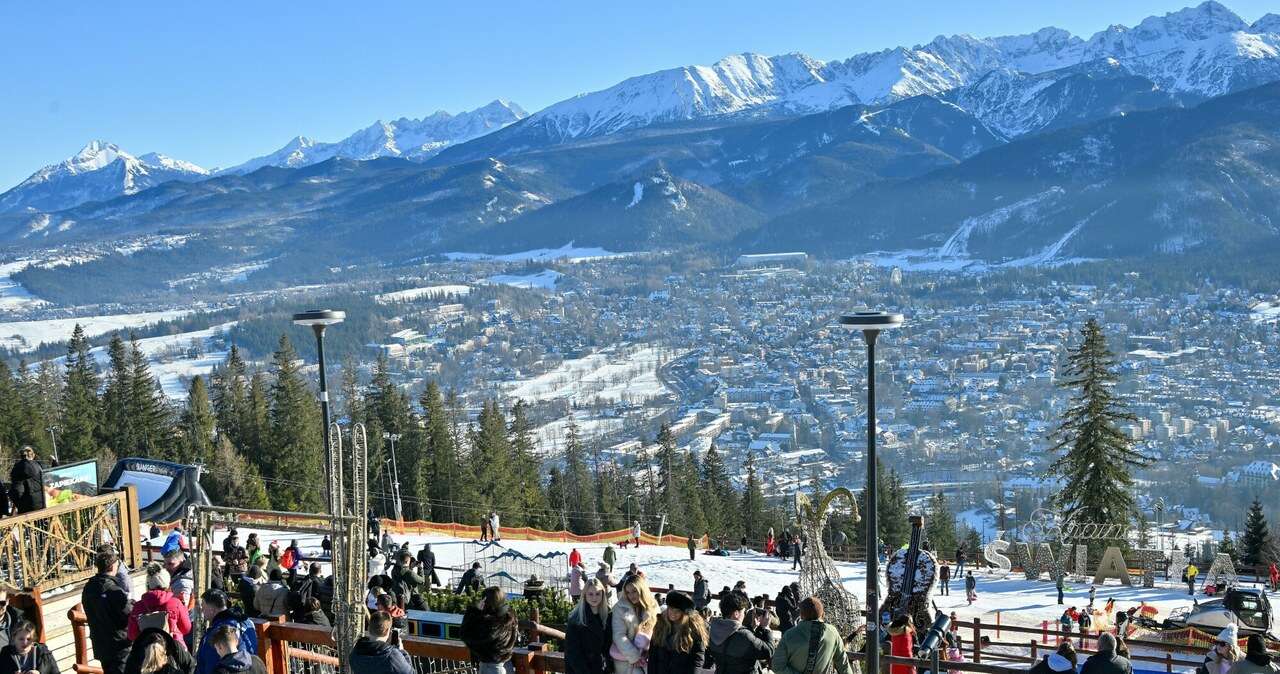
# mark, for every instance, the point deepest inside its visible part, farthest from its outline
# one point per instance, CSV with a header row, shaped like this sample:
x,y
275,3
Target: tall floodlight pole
x,y
53,435
395,476
318,320
1160,524
871,323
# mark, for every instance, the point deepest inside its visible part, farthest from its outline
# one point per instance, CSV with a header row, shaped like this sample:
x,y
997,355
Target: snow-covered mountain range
x,y
99,171
413,139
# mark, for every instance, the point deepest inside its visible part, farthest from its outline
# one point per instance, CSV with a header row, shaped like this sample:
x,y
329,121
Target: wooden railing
x,y
55,546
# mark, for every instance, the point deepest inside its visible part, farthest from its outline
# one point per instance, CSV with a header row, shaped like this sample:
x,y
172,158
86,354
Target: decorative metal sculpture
x,y
911,573
819,576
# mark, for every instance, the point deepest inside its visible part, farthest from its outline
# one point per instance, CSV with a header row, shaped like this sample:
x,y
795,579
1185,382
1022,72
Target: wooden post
x,y
1044,631
1035,645
132,529
523,662
977,640
1168,662
77,619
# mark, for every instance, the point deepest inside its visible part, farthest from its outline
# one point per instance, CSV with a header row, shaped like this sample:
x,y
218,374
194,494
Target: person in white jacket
x,y
493,526
577,576
632,621
635,532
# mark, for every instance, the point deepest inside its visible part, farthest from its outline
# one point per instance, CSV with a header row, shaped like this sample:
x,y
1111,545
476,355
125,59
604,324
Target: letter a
x,y
1112,566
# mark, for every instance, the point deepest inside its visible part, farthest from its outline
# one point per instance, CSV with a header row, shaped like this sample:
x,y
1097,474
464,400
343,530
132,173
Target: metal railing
x,y
55,546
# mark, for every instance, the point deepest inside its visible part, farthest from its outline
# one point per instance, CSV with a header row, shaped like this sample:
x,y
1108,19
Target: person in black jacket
x,y
679,642
586,643
489,631
735,648
379,651
26,483
427,565
470,580
1106,661
10,617
106,607
1059,662
24,654
787,606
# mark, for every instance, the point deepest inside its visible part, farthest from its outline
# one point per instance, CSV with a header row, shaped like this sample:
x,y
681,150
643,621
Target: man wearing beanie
x,y
811,641
736,648
1256,658
1105,661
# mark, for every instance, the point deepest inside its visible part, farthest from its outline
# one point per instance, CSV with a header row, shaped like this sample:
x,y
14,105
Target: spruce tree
x,y
1098,458
531,509
718,496
754,523
1256,543
491,459
579,501
230,396
197,426
233,481
294,466
119,427
1143,527
441,476
12,412
81,408
1227,546
606,491
693,520
668,476
40,393
256,424
147,405
940,524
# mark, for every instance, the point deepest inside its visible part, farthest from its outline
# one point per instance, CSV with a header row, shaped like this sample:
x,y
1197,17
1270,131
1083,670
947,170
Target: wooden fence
x,y
55,546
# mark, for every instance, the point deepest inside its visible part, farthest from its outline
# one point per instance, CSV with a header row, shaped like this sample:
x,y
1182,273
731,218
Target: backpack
x,y
286,560
158,620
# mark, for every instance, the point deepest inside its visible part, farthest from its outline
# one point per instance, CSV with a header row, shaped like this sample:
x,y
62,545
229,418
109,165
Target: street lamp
x,y
395,475
318,320
1160,524
871,323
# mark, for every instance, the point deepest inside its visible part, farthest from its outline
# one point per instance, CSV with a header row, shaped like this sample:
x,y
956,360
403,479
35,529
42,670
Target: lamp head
x,y
319,318
871,320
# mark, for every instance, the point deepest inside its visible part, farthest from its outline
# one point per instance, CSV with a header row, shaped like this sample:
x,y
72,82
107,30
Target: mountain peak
x,y
82,178
1194,23
1269,23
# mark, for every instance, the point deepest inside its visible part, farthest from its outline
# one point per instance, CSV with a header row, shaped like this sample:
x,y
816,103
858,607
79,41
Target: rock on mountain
x,y
413,139
1201,179
1205,51
98,172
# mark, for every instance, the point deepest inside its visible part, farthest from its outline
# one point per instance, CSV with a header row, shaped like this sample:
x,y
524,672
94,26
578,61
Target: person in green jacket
x,y
793,652
610,556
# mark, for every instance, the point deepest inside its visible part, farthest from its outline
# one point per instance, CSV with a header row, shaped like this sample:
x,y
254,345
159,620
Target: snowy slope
x,y
100,171
414,139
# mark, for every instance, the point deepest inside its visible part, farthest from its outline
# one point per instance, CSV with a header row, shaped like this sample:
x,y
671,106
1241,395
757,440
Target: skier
x,y
701,591
484,529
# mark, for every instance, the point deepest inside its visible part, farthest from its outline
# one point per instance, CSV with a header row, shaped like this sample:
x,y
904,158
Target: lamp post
x,y
53,435
318,320
871,323
1160,524
395,475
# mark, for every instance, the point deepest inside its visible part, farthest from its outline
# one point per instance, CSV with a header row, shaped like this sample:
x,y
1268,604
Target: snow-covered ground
x,y
27,335
610,375
12,295
543,280
565,253
428,292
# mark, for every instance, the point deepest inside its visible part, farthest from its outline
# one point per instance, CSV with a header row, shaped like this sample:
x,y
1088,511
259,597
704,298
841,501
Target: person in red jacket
x,y
1275,577
902,643
575,558
158,599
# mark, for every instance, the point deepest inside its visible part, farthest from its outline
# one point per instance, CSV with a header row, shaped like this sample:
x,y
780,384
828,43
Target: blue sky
x,y
219,82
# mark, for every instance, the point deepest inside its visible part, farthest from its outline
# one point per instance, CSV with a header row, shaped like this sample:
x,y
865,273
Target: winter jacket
x,y
1106,663
575,558
12,663
970,583
701,593
160,600
182,583
902,642
792,654
490,637
470,581
610,556
735,649
575,581
1052,664
207,657
405,581
272,599
180,661
664,658
427,560
787,610
630,644
240,662
586,643
1255,664
249,594
314,618
8,618
26,486
106,607
371,656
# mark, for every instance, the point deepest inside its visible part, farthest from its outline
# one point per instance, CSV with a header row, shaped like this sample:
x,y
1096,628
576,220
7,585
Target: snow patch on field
x,y
611,375
12,295
410,294
543,280
565,253
27,335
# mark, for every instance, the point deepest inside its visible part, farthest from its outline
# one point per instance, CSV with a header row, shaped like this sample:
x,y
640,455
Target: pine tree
x,y
579,501
231,398
693,520
1256,543
295,465
718,496
491,458
940,524
441,476
197,426
1098,457
256,425
532,507
81,410
668,478
147,405
972,541
753,506
891,514
12,412
40,392
1144,530
119,427
606,495
1227,546
233,481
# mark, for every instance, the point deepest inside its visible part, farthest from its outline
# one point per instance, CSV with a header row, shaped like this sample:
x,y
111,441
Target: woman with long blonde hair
x,y
679,638
586,643
632,622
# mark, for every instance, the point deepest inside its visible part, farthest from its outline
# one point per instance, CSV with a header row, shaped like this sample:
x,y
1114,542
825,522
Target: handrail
x,y
55,546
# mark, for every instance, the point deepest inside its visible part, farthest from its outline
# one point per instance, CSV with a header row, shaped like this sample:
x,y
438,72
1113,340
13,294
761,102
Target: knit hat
x,y
1229,634
679,600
